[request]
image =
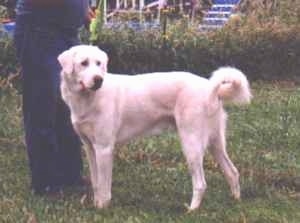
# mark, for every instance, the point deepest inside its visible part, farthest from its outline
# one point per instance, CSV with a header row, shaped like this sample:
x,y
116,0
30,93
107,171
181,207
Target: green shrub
x,y
8,60
263,51
10,110
286,11
265,44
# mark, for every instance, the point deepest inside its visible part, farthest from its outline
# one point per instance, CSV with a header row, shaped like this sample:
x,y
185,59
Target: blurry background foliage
x,y
263,40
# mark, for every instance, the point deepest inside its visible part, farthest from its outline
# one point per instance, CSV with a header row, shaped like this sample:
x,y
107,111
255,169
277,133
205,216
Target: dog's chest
x,y
84,129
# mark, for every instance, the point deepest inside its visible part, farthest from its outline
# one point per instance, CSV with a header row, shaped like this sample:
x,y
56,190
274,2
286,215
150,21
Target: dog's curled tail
x,y
230,84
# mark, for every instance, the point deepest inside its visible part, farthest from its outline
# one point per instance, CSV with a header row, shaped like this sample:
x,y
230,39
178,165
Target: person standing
x,y
44,29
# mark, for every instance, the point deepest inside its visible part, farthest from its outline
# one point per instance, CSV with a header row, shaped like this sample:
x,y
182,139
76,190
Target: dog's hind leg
x,y
104,162
194,151
220,154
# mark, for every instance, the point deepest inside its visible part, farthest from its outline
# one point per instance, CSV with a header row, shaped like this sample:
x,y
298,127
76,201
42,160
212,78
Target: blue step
x,y
222,8
218,15
226,1
215,14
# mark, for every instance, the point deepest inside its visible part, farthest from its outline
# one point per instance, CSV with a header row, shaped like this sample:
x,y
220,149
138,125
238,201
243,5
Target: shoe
x,y
50,192
83,181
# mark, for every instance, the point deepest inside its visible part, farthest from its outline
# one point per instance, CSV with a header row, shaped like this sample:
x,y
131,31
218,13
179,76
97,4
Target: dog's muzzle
x,y
97,83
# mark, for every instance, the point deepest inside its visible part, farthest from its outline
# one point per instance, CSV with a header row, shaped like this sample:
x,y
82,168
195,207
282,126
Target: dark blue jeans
x,y
54,150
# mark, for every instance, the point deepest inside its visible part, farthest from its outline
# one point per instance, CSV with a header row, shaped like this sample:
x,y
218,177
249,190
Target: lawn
x,y
151,182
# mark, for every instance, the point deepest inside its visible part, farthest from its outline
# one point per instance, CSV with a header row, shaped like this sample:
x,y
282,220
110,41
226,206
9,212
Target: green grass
x,y
151,182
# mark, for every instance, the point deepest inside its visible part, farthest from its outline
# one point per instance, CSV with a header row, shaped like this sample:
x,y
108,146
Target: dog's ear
x,y
66,61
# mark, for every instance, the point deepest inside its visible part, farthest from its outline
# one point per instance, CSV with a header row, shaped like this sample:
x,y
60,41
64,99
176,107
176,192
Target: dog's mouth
x,y
96,85
82,86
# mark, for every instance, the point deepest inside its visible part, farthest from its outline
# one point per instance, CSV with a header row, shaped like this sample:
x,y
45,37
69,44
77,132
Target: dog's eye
x,y
98,63
85,63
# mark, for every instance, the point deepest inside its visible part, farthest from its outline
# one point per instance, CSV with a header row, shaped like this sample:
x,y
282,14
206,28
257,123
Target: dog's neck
x,y
79,102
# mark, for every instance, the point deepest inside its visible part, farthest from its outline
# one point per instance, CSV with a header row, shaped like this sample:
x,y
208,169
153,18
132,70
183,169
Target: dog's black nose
x,y
97,82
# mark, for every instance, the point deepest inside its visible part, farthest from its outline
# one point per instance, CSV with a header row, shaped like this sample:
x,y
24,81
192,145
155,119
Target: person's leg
x,y
37,50
69,146
39,111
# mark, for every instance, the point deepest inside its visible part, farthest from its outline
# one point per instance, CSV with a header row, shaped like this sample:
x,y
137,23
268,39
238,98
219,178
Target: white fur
x,y
126,107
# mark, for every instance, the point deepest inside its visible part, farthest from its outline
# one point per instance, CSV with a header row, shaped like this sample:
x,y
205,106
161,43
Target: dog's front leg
x,y
91,158
104,163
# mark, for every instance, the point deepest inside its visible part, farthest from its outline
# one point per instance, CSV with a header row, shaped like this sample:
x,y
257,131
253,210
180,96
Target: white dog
x,y
108,109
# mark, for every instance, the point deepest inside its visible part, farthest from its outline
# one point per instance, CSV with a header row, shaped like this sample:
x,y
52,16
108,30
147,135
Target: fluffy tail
x,y
230,84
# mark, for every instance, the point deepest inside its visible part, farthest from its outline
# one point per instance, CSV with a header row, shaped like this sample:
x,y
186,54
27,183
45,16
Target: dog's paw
x,y
237,196
236,192
190,209
101,204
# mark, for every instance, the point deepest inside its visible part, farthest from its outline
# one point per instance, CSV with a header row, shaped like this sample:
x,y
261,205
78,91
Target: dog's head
x,y
83,67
